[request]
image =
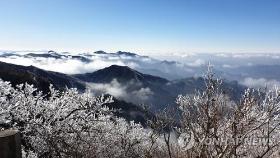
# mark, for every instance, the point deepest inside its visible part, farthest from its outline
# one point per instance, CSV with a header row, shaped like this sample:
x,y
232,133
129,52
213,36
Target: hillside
x,y
40,78
163,92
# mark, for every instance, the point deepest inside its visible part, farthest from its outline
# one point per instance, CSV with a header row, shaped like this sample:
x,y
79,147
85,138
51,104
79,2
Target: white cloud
x,y
143,93
196,63
228,66
68,65
184,55
249,55
224,55
17,60
260,83
116,89
274,56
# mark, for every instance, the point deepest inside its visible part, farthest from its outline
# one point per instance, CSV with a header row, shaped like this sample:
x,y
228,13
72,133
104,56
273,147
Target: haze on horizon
x,y
145,26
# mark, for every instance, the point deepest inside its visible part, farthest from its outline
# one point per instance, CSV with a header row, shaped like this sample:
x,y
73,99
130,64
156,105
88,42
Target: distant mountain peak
x,y
121,73
100,52
126,53
120,67
51,52
169,62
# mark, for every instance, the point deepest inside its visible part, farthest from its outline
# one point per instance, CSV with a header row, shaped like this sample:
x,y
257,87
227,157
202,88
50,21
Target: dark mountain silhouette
x,y
52,54
8,54
164,92
135,81
126,53
41,79
100,52
147,65
49,54
121,73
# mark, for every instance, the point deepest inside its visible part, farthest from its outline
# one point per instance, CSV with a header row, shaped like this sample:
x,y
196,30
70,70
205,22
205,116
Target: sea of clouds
x,y
174,66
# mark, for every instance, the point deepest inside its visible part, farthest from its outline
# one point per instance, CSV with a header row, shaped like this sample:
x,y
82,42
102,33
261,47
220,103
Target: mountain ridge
x,y
88,62
41,79
17,74
164,92
132,86
122,73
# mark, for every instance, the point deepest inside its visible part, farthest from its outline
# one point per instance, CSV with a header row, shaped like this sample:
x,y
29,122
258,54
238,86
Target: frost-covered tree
x,y
222,128
69,124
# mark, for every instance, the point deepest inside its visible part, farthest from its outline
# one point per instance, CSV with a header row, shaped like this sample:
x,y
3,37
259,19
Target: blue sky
x,y
142,26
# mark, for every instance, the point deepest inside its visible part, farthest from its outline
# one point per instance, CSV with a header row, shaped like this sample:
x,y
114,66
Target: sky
x,y
141,26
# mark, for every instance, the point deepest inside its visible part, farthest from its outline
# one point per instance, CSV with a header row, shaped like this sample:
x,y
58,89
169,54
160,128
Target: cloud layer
x,y
90,62
260,83
123,92
231,66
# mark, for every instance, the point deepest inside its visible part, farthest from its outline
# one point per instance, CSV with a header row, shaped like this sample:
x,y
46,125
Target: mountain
x,y
122,82
49,54
127,54
163,92
55,55
122,74
137,85
41,79
231,66
129,87
91,61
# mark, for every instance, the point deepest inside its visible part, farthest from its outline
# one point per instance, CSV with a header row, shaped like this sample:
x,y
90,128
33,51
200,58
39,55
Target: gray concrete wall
x,y
10,144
